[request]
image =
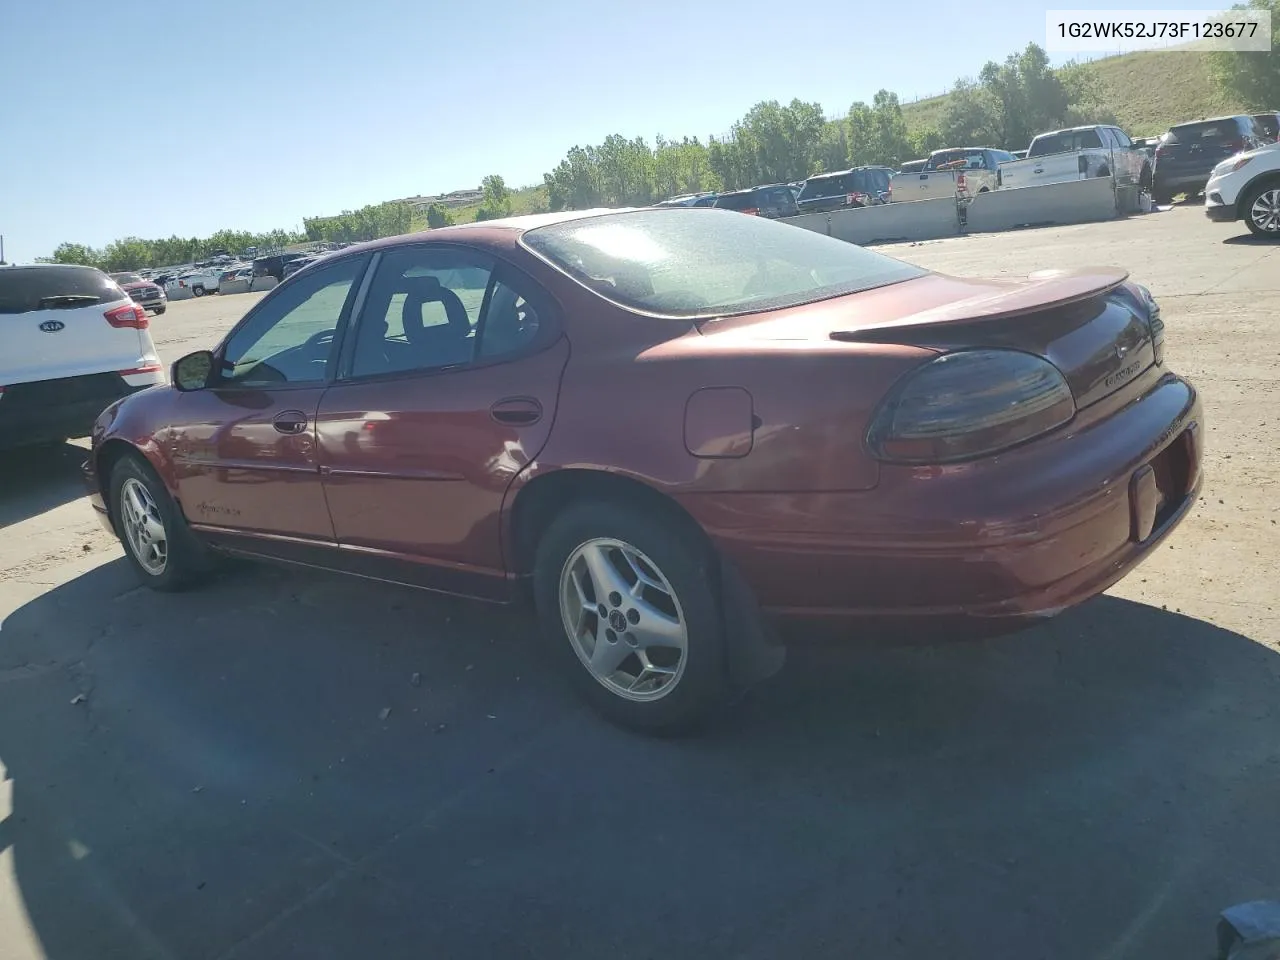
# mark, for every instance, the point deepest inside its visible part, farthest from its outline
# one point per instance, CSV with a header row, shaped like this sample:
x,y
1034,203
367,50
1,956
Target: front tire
x,y
1261,209
163,552
197,291
159,310
627,600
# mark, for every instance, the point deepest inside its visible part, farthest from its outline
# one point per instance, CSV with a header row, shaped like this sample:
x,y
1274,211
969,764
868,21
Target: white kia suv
x,y
71,342
1247,187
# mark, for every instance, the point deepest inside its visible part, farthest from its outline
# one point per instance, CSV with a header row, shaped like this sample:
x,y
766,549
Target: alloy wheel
x,y
144,527
1265,211
623,619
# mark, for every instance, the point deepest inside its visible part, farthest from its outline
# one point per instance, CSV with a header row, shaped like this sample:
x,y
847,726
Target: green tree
x,y
76,253
1253,78
1029,95
971,117
438,216
497,199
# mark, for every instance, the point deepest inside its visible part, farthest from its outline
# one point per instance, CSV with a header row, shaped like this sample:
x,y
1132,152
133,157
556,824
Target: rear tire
x,y
654,662
162,550
197,291
1261,210
1161,198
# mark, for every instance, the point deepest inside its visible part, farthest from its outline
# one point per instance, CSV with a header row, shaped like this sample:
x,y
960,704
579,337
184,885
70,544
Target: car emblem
x,y
1121,350
52,326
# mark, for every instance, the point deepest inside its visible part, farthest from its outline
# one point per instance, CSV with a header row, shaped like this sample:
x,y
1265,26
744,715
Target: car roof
x,y
1229,116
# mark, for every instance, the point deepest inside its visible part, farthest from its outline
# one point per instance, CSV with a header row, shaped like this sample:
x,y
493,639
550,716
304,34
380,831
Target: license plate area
x,y
1158,489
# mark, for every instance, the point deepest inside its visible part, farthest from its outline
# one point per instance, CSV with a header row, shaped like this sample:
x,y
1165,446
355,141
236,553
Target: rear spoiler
x,y
1045,290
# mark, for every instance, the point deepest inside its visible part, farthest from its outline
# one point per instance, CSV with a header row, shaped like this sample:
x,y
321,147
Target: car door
x,y
447,389
244,447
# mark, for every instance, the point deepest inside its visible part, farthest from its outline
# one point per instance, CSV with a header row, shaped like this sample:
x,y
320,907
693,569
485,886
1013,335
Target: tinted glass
x,y
816,188
1066,142
738,201
1269,124
511,323
126,278
1210,131
290,339
421,313
23,289
690,263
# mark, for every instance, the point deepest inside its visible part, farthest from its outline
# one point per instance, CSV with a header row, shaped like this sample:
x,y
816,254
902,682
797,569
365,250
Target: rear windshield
x,y
1210,130
688,263
1268,123
972,159
817,188
738,201
1066,142
23,289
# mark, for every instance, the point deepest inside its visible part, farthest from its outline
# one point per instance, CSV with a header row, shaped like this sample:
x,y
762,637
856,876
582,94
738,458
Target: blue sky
x,y
140,117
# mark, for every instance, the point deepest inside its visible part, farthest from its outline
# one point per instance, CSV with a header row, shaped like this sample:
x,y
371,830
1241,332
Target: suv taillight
x,y
128,316
752,211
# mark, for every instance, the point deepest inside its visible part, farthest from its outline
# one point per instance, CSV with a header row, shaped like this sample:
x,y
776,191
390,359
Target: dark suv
x,y
1189,152
773,201
859,187
273,266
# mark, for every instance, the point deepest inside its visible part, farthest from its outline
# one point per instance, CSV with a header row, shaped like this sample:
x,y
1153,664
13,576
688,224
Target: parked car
x,y
770,201
1268,124
1247,187
273,265
954,172
293,266
74,341
1079,153
673,427
1188,153
146,292
689,200
200,282
859,187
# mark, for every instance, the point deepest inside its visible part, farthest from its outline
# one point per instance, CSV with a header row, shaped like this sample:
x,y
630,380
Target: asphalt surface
x,y
291,765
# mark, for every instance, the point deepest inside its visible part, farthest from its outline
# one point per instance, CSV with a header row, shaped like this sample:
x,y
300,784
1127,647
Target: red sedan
x,y
674,425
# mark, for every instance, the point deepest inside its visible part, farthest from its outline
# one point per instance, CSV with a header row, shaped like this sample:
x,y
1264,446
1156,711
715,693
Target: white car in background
x,y
73,342
200,282
1247,187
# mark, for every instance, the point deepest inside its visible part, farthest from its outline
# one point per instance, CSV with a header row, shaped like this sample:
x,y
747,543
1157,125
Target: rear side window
x,y
24,289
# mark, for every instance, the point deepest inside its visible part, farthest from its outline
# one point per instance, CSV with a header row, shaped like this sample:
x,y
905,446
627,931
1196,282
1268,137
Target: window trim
x,y
500,271
355,293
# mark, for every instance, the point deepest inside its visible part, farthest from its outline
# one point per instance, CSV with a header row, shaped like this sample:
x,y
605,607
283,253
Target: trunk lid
x,y
1090,324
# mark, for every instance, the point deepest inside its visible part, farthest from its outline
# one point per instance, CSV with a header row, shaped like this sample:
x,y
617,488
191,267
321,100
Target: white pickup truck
x,y
955,172
1077,154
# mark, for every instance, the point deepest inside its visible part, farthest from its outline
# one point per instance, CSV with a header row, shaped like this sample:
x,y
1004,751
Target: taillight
x,y
131,315
752,211
1160,150
970,404
1154,322
959,181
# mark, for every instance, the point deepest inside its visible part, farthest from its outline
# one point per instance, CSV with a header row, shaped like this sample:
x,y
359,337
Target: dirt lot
x,y
231,787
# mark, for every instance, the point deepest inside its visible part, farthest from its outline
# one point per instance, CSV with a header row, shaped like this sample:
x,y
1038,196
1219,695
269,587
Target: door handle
x,y
517,411
290,422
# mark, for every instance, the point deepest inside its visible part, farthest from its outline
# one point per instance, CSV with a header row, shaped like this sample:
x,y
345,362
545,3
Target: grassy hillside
x,y
1146,91
524,200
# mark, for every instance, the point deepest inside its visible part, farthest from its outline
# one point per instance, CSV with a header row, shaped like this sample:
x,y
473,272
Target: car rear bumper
x,y
48,411
997,543
1178,182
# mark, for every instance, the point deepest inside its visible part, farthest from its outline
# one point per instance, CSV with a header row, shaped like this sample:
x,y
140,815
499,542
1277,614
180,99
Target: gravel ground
x,y
228,781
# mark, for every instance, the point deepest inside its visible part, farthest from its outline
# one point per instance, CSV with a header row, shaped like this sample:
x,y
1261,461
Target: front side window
x,y
692,264
290,338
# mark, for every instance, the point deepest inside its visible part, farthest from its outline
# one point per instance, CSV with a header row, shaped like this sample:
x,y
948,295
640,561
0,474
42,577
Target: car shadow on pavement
x,y
286,765
1249,240
35,480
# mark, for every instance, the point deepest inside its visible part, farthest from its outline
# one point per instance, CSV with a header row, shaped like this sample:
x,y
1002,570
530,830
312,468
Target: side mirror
x,y
193,371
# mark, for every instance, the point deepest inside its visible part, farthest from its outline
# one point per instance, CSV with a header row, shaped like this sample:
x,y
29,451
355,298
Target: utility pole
x,y
1,249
